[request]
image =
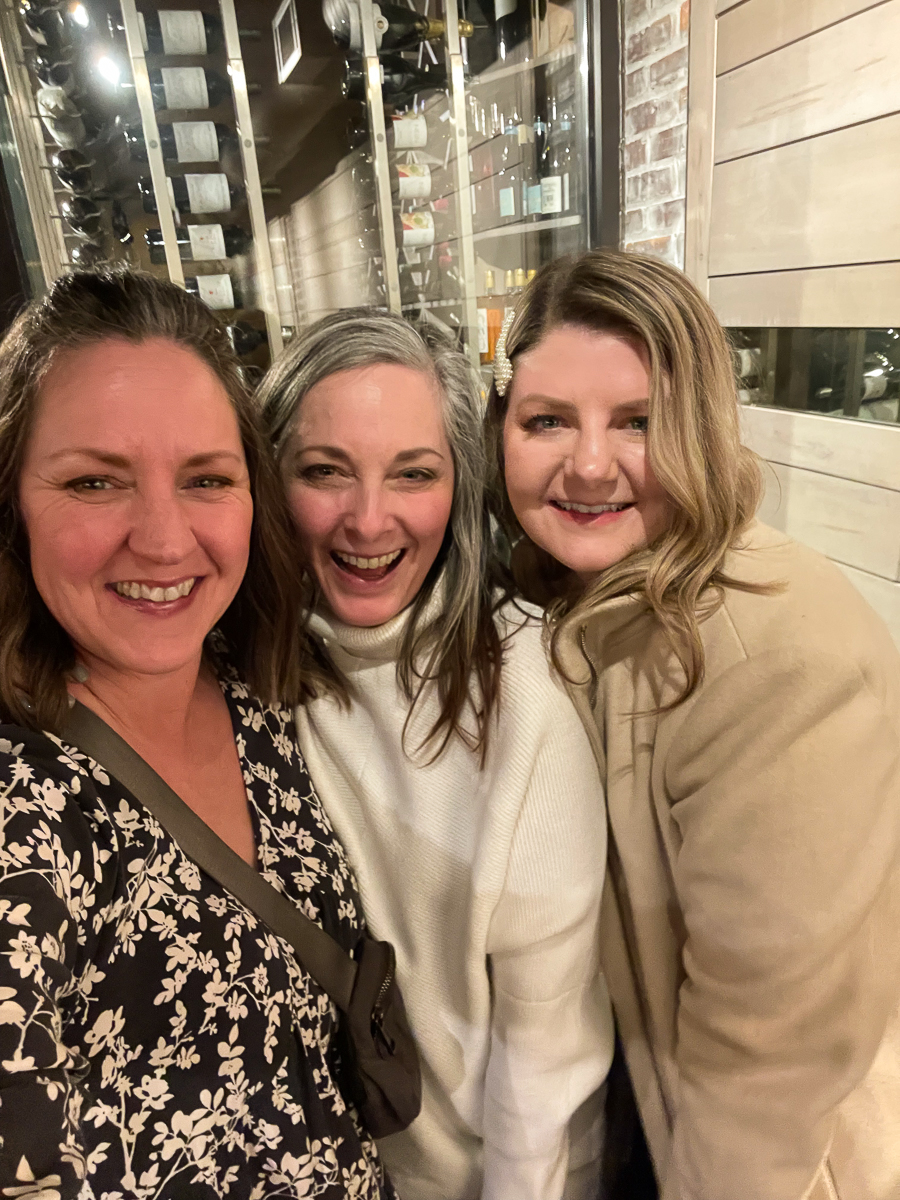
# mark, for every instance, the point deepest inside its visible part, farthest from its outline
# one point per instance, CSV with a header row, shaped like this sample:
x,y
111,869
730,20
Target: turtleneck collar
x,y
375,643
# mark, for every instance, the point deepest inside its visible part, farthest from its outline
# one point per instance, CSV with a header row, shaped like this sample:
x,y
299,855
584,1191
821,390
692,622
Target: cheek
x,y
525,465
316,514
428,515
69,548
224,531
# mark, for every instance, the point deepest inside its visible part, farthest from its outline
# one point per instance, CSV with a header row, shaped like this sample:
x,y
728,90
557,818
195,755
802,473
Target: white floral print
x,y
157,1042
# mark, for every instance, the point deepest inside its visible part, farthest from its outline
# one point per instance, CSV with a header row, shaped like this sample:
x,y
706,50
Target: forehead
x,y
576,364
380,402
116,391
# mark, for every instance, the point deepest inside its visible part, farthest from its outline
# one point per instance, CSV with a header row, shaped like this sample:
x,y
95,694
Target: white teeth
x,y
369,564
589,508
140,591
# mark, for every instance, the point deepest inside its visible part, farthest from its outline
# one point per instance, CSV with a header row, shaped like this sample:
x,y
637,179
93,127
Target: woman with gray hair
x,y
449,760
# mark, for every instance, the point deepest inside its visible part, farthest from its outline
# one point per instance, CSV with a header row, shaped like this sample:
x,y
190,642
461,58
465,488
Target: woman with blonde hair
x,y
744,706
451,763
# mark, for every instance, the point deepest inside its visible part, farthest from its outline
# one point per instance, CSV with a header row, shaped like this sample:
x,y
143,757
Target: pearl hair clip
x,y
503,371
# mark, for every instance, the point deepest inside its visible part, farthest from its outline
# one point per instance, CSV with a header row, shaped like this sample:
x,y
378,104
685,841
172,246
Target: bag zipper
x,y
378,1030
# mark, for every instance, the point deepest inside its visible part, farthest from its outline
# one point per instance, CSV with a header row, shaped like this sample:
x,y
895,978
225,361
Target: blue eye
x,y
543,421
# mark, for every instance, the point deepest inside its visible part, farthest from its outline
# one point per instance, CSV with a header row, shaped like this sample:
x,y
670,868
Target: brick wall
x,y
655,65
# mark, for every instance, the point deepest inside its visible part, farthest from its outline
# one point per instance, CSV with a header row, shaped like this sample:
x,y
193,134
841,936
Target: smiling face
x,y
369,476
575,449
136,500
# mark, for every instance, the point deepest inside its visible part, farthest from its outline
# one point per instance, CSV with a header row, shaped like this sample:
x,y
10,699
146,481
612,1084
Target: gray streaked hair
x,y
460,650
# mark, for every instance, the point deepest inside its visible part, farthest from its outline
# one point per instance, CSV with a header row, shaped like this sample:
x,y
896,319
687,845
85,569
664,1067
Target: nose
x,y
161,531
368,516
593,458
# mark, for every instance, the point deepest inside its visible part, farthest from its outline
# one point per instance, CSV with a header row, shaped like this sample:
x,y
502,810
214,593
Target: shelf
x,y
528,227
431,304
544,60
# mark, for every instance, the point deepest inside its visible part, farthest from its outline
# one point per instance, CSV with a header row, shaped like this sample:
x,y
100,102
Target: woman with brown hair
x,y
744,705
155,1039
451,762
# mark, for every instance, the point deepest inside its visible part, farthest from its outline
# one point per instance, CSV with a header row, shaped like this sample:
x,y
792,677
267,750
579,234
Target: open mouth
x,y
155,594
362,567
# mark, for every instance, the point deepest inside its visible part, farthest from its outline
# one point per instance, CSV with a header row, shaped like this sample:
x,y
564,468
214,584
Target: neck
x,y
142,708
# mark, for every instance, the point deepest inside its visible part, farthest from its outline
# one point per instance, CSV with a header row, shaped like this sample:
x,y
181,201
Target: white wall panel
x,y
828,297
761,26
851,522
883,595
848,449
820,202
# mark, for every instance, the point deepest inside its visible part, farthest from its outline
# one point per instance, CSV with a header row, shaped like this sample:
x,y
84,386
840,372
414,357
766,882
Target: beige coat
x,y
751,932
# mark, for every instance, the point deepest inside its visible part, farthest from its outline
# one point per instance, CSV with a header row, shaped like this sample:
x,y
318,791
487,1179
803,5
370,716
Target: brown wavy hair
x,y
713,483
265,641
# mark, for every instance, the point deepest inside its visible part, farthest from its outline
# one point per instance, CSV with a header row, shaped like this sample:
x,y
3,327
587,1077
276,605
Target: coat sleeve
x,y
49,870
784,781
551,1027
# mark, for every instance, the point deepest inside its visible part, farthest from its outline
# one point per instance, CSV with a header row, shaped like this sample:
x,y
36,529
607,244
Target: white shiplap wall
x,y
793,221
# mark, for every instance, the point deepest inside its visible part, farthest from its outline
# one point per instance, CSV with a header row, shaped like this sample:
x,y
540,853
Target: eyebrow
x,y
404,456
118,460
555,402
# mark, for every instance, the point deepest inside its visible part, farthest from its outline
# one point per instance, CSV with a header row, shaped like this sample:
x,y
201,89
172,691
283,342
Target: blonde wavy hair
x,y
693,442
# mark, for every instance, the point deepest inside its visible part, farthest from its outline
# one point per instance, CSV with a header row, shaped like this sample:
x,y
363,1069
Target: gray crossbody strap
x,y
332,969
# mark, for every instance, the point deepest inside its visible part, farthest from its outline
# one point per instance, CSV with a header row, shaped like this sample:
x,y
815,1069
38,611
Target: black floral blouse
x,y
156,1041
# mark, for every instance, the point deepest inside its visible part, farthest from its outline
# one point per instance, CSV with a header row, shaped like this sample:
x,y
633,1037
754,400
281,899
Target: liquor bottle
x,y
245,337
73,170
513,25
83,215
87,255
190,31
218,291
185,141
490,319
189,87
512,287
400,80
201,243
531,274
119,221
396,27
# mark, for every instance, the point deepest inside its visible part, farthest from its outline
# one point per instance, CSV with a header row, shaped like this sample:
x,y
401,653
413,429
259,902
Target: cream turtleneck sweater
x,y
488,884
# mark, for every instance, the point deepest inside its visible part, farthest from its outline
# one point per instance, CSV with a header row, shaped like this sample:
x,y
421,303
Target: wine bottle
x,y
87,255
200,243
245,338
73,170
490,319
513,24
190,31
400,80
218,291
185,141
396,27
410,132
421,227
83,215
207,193
47,26
188,87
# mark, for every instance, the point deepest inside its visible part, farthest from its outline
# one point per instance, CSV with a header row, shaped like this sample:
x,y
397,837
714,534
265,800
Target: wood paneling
x,y
724,5
761,26
851,522
866,452
700,115
883,595
841,75
820,202
835,297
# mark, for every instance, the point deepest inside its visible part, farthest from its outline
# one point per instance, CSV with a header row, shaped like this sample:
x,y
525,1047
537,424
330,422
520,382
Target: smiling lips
x,y
591,509
157,595
360,567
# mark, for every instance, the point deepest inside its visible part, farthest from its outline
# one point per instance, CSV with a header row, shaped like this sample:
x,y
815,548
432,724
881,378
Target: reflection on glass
x,y
838,372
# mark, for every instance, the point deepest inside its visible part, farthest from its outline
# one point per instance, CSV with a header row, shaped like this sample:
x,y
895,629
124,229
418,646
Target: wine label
x,y
507,201
207,241
208,193
482,331
504,8
551,194
196,141
216,290
418,229
182,32
410,133
414,181
185,87
534,198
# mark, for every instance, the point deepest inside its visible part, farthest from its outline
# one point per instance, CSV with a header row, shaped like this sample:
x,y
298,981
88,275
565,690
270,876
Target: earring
x,y
80,674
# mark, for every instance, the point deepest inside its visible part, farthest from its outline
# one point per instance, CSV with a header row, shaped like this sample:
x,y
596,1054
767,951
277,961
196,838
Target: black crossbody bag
x,y
385,1083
